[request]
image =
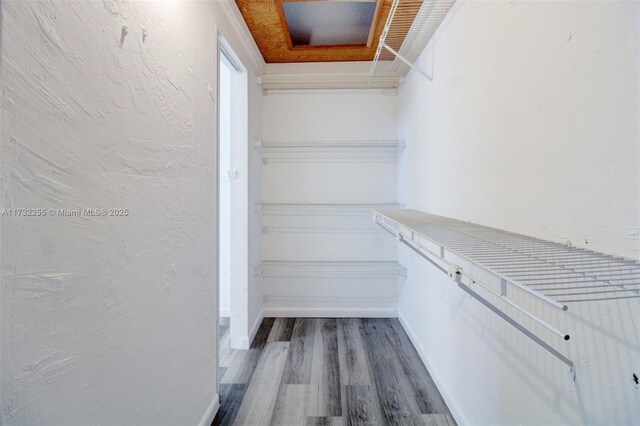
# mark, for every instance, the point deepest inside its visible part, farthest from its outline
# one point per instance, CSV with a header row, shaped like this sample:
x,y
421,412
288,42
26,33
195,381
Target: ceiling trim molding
x,y
237,21
299,81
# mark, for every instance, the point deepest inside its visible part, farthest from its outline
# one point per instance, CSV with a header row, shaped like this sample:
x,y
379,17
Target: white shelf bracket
x,y
405,60
454,272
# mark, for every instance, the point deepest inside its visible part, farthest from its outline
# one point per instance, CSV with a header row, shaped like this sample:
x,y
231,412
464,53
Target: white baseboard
x,y
244,342
255,327
273,311
210,414
240,342
451,402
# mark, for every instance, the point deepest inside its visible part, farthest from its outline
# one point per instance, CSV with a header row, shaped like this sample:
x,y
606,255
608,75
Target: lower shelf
x,y
319,269
331,288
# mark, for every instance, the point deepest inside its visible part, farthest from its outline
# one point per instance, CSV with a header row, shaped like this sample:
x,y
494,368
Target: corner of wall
x,y
254,328
210,413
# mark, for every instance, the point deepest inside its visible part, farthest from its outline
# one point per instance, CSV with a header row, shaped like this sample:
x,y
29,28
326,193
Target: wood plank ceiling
x,y
267,23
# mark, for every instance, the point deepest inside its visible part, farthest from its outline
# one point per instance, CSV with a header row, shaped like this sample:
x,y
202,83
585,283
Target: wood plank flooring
x,y
327,371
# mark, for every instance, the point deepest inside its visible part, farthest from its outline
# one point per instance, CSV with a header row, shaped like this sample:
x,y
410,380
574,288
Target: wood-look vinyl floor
x,y
327,371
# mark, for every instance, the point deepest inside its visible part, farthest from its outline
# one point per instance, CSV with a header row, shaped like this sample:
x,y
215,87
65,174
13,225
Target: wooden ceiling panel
x,y
267,23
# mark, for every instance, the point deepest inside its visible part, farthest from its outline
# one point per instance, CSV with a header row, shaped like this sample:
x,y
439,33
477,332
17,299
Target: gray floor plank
x,y
290,408
226,353
230,399
242,367
361,407
324,421
243,364
314,403
325,397
330,384
354,368
260,398
395,395
345,371
298,367
282,330
435,420
426,393
354,364
262,334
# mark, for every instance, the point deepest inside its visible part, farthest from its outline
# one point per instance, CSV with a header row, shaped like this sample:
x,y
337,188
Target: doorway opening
x,y
233,209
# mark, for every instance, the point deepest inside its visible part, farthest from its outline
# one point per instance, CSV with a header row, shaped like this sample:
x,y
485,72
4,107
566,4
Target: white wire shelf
x,y
328,144
422,28
383,150
320,218
553,273
425,24
330,270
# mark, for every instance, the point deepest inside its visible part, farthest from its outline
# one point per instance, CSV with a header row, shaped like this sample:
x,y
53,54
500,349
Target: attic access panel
x,y
268,25
329,23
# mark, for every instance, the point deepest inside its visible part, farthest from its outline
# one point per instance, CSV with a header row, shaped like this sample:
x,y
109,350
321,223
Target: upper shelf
x,y
381,150
328,144
553,272
320,218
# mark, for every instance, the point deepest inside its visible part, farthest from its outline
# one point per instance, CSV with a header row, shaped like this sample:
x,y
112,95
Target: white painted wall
x,y
238,164
328,115
225,190
112,320
530,125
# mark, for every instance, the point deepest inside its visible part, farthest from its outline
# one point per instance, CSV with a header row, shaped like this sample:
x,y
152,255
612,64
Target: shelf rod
x,y
421,251
517,325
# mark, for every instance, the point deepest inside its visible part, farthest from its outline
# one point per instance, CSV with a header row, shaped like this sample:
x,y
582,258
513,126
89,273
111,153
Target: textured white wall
x,y
111,319
530,125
